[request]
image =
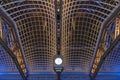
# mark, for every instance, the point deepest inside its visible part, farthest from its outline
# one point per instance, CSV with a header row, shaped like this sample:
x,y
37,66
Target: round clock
x,y
58,61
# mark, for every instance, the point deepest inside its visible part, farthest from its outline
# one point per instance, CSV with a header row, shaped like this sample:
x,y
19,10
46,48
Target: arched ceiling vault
x,y
82,22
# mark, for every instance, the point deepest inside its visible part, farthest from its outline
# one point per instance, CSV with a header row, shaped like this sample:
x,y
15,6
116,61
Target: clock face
x,y
58,61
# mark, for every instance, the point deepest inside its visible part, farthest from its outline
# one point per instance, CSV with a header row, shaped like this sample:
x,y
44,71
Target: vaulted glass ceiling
x,y
33,24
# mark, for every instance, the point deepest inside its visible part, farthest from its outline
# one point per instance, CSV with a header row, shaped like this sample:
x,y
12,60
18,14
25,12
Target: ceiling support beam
x,y
103,57
14,58
5,16
58,13
103,26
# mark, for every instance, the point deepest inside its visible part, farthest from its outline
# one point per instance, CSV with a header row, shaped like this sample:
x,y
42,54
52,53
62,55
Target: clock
x,y
58,61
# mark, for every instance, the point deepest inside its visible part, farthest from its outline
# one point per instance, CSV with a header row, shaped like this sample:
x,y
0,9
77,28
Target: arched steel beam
x,y
112,15
115,42
11,22
14,58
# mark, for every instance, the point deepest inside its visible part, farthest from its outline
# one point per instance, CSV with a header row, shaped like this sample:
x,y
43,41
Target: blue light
x,y
109,74
6,74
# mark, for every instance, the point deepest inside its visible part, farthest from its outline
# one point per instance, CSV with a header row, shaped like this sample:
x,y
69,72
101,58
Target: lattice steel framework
x,y
108,38
81,21
35,22
6,64
111,63
10,51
